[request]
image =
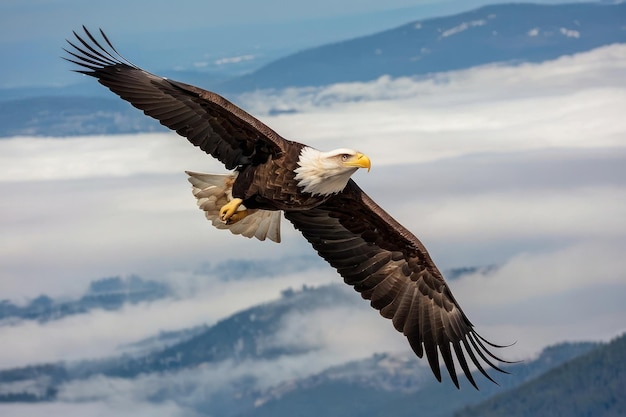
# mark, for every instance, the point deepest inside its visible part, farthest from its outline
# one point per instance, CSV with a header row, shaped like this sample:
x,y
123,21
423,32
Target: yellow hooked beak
x,y
360,161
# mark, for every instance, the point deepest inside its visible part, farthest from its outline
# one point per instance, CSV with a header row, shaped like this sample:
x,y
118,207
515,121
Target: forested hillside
x,y
591,385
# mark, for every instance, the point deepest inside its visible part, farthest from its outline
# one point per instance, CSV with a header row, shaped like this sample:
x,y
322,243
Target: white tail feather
x,y
213,191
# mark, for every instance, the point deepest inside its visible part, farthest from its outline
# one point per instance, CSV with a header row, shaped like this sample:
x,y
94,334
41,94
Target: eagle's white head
x,y
326,173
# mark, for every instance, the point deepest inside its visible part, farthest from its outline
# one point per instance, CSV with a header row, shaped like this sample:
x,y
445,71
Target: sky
x,y
32,32
195,14
522,167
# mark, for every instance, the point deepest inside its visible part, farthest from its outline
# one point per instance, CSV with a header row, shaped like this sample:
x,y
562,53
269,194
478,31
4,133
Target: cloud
x,y
520,166
310,339
201,300
537,214
234,59
63,234
528,276
337,335
557,104
343,333
570,33
486,208
597,68
462,27
536,299
112,156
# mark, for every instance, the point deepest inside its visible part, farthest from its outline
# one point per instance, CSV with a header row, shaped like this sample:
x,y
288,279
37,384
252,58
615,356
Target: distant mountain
x,y
107,294
244,336
508,33
178,371
373,387
72,116
590,385
114,292
238,269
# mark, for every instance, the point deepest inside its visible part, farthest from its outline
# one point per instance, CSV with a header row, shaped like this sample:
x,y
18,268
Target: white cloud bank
x,y
521,166
571,294
100,333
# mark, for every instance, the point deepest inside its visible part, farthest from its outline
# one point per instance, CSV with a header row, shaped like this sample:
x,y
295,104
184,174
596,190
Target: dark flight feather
x,y
391,268
206,119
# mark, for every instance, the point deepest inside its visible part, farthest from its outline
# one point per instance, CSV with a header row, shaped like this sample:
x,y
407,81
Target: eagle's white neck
x,y
320,174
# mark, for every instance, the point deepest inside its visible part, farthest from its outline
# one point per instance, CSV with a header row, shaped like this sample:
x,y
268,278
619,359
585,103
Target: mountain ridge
x,y
106,293
512,33
592,384
433,399
498,34
368,386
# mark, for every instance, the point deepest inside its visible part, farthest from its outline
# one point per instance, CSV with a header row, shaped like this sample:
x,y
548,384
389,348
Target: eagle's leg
x,y
231,213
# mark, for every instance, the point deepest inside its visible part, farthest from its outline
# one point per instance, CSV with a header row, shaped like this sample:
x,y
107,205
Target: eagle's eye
x,y
344,157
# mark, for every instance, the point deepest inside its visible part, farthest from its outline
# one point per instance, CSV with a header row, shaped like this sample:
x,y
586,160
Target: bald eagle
x,y
375,254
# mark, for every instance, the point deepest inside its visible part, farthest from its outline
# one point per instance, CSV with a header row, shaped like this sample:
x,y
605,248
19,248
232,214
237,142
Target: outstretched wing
x,y
206,119
389,266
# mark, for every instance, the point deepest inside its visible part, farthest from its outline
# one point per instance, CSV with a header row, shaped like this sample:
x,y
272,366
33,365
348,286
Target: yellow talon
x,y
228,211
240,214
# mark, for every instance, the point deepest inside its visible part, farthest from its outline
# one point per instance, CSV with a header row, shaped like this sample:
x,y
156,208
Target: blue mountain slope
x,y
71,116
248,335
366,387
114,292
508,33
374,386
107,294
590,385
244,335
500,33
